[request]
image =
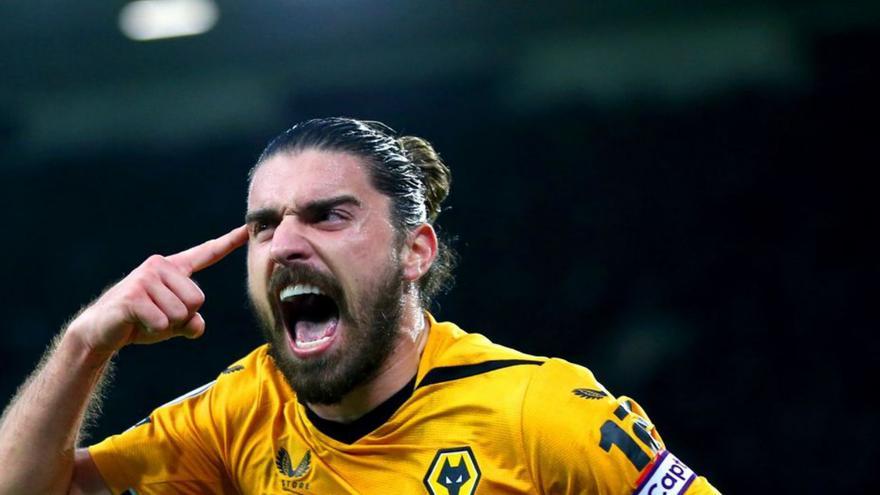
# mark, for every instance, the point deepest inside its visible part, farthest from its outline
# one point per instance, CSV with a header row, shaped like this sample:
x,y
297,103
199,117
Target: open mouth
x,y
310,318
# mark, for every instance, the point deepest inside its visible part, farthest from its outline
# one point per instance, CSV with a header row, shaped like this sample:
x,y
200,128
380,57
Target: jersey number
x,y
612,434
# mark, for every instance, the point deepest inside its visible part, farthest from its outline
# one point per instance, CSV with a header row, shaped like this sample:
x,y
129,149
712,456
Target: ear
x,y
419,252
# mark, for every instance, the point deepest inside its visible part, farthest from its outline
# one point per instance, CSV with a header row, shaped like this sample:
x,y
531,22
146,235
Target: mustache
x,y
304,274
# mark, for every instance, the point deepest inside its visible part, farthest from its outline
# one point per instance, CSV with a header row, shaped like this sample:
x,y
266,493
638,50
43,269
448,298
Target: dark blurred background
x,y
679,197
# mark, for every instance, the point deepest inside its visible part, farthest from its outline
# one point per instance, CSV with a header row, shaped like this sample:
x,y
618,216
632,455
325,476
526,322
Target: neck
x,y
397,370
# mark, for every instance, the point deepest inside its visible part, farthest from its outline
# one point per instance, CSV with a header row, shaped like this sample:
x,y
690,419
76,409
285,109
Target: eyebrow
x,y
328,203
309,209
260,215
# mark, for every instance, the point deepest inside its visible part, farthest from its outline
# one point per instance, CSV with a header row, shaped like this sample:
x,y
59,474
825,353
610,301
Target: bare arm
x,y
38,430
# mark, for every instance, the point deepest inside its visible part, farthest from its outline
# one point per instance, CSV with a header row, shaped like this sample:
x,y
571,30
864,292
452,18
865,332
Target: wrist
x,y
74,344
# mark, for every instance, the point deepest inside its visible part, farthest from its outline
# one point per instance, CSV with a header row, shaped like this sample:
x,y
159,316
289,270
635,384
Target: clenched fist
x,y
156,301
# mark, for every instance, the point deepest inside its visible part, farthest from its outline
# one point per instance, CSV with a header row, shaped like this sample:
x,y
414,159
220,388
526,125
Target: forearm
x,y
39,428
156,301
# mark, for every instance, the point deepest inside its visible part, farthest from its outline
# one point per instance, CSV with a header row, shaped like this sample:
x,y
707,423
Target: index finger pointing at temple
x,y
209,252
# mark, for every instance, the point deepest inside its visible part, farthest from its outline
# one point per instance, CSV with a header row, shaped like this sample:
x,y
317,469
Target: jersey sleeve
x,y
578,438
174,450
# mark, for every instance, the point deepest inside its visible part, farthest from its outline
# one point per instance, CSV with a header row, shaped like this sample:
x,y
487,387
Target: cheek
x,y
257,295
370,256
257,278
356,266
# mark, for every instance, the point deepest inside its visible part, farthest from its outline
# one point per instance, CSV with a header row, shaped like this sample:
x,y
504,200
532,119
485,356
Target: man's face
x,y
323,271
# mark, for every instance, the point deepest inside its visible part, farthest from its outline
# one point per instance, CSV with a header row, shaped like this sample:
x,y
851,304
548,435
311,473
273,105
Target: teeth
x,y
313,343
297,290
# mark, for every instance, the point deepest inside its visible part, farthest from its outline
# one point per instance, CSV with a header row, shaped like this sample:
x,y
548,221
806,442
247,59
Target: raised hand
x,y
156,301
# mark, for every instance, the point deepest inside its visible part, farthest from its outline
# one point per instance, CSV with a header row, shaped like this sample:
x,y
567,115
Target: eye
x,y
331,217
261,229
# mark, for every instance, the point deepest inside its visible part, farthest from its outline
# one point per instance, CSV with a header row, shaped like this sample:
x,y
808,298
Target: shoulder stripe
x,y
449,373
192,393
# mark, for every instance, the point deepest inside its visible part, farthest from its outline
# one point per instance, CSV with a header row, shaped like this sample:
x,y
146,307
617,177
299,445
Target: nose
x,y
289,244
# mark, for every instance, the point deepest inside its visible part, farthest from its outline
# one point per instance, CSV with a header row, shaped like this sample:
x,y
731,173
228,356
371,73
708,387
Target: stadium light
x,y
145,20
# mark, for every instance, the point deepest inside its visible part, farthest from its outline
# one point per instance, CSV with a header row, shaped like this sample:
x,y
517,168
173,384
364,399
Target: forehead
x,y
307,175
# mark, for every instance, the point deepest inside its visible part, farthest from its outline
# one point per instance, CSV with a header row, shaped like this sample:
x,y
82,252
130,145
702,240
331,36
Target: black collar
x,y
357,429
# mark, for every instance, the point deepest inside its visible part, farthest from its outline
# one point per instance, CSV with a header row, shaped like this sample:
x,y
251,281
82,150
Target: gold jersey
x,y
477,418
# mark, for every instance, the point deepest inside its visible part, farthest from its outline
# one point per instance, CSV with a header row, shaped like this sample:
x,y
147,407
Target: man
x,y
359,389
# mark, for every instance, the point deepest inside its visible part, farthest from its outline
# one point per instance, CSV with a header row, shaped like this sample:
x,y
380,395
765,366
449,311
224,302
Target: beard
x,y
369,321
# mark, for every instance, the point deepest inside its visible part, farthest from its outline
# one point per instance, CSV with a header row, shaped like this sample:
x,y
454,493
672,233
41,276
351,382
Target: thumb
x,y
194,328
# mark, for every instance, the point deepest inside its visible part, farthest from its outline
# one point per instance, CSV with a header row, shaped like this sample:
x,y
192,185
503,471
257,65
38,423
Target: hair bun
x,y
436,175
